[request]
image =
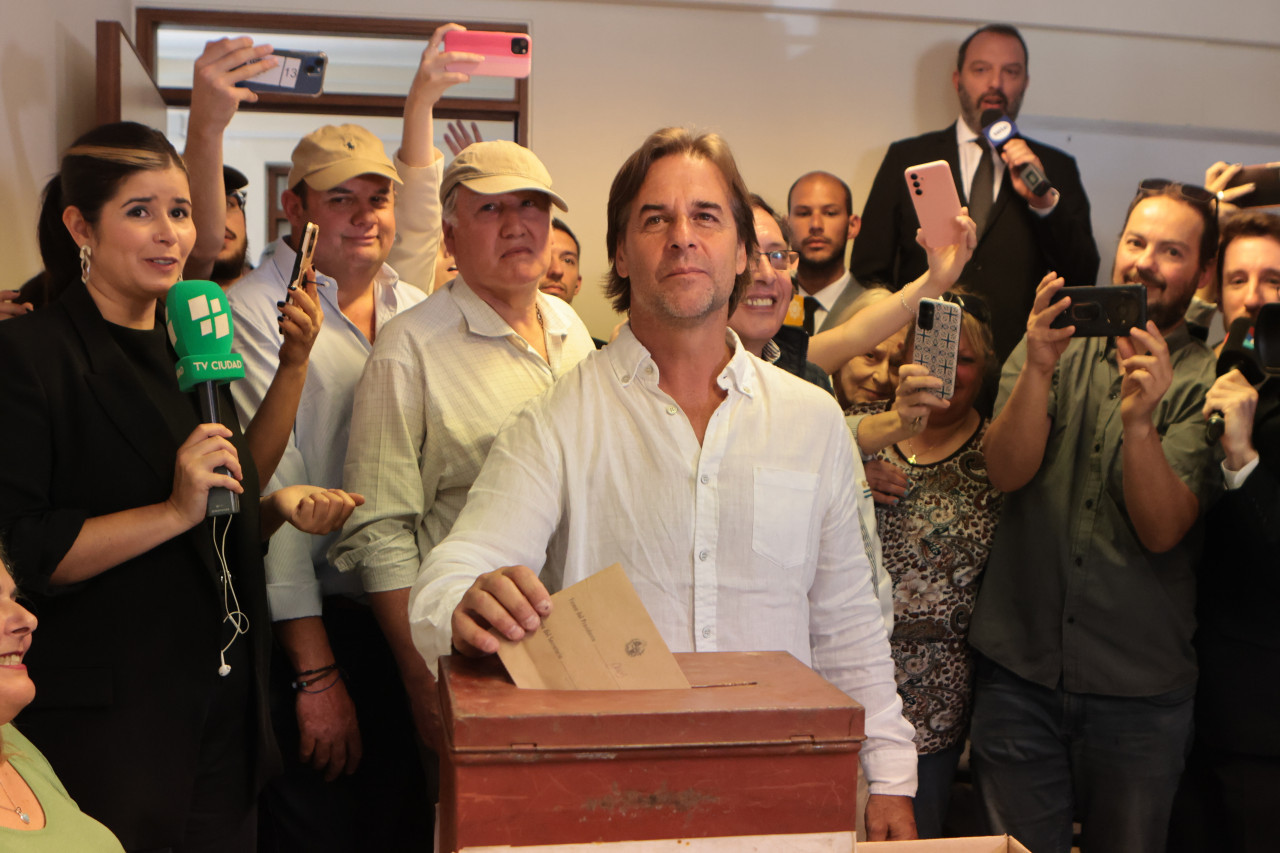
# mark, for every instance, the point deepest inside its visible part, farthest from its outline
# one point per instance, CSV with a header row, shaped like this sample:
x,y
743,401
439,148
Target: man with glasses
x,y
1083,700
230,264
759,317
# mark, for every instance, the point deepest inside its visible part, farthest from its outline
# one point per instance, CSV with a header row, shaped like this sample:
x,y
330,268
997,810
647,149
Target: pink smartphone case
x,y
499,60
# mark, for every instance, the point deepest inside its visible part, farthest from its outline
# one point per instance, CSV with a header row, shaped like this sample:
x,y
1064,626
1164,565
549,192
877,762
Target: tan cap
x,y
498,166
336,153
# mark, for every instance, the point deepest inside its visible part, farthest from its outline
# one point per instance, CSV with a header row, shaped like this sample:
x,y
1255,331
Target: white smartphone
x,y
937,342
933,192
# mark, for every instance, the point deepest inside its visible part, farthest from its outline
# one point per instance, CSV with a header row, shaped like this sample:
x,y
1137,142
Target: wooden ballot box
x,y
760,745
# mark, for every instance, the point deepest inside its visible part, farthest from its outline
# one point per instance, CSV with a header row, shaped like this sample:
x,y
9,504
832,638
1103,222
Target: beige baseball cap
x,y
335,153
498,166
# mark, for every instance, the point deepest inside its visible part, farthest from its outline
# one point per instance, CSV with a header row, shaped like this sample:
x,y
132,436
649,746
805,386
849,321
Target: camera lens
x,y
519,46
926,316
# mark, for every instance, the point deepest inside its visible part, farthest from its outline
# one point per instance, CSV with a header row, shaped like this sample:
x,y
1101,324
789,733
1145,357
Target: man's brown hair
x,y
626,186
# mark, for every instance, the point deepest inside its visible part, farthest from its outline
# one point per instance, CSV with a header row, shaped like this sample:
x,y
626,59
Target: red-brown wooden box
x,y
766,747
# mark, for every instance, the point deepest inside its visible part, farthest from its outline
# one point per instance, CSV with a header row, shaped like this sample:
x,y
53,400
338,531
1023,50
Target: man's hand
x,y
1045,345
1237,400
316,510
890,818
300,320
328,732
947,262
457,137
1016,154
214,94
1144,360
511,600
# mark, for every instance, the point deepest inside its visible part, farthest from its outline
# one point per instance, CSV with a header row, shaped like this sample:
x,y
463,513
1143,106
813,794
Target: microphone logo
x,y
999,132
200,330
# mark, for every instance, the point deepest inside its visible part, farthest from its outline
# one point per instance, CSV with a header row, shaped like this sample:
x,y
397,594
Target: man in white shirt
x,y
445,376
350,783
672,452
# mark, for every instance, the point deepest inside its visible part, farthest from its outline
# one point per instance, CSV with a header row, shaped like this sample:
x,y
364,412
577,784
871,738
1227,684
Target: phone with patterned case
x,y
937,341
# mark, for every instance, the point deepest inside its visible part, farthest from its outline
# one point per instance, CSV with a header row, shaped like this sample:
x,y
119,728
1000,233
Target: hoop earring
x,y
86,253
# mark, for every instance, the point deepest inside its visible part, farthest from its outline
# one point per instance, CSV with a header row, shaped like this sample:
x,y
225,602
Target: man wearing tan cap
x,y
353,778
445,376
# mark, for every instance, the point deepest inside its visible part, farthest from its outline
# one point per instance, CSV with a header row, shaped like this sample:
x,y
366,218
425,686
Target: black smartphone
x,y
297,72
1098,312
1267,189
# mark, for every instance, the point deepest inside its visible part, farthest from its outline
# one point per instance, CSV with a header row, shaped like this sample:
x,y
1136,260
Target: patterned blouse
x,y
935,543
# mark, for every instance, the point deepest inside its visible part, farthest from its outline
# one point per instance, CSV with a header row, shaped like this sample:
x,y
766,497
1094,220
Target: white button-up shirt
x,y
748,541
298,572
441,381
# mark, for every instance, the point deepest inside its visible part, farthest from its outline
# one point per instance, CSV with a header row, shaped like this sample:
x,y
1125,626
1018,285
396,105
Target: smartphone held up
x,y
505,54
297,72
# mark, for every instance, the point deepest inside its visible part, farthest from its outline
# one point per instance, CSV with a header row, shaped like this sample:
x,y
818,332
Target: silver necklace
x,y
17,809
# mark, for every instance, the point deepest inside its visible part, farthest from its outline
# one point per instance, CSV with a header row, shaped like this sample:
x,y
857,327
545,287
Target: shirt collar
x,y
963,133
628,358
481,319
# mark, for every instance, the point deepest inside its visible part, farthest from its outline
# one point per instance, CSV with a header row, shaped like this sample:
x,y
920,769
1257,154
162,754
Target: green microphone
x,y
200,331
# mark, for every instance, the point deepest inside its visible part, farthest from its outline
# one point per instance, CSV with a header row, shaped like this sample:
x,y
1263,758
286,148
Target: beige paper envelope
x,y
598,637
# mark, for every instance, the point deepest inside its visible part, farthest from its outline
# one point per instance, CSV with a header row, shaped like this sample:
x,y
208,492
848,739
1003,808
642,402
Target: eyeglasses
x,y
235,199
780,260
972,304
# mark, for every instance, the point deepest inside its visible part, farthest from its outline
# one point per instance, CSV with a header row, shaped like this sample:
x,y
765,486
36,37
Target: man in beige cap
x,y
353,780
444,376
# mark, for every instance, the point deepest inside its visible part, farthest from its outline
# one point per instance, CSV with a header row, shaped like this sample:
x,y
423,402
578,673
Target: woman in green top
x,y
36,814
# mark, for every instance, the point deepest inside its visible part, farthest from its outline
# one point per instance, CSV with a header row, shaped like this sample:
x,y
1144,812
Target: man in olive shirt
x,y
1084,694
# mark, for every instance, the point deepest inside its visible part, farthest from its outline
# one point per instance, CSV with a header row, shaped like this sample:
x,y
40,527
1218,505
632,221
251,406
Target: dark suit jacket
x,y
1239,597
1013,254
125,664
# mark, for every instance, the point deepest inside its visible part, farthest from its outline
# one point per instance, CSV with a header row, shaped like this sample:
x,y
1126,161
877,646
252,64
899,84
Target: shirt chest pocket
x,y
782,509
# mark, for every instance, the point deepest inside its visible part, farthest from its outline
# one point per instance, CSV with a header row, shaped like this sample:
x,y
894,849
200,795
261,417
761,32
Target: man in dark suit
x,y
1021,236
820,215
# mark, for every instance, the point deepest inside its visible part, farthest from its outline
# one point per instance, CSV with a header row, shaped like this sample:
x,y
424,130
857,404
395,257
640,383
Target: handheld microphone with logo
x,y
1238,353
998,128
200,331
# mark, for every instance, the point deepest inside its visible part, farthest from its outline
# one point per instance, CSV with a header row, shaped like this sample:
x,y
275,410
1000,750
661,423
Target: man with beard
x,y
1021,236
1083,696
229,265
820,213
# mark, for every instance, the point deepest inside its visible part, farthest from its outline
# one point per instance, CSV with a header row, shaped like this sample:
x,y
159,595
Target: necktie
x,y
811,306
982,187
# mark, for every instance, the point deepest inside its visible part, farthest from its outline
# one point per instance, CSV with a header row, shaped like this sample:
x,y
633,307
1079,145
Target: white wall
x,y
1130,89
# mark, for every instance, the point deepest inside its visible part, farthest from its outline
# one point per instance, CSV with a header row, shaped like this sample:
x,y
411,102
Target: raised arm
x,y
1015,441
214,101
864,331
418,203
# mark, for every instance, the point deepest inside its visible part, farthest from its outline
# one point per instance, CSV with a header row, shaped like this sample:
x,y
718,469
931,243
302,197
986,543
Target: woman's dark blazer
x,y
125,664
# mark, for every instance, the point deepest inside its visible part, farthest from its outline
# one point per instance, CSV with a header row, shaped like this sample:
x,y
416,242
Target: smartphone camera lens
x,y
520,46
919,192
926,316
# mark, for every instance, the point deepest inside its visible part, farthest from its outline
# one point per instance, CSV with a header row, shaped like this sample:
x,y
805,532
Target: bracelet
x,y
342,676
300,679
903,300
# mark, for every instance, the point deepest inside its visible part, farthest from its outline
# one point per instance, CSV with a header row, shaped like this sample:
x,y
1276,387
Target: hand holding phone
x,y
937,204
937,341
505,54
297,72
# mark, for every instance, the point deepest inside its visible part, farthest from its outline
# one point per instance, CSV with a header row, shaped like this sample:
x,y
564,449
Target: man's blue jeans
x,y
1042,758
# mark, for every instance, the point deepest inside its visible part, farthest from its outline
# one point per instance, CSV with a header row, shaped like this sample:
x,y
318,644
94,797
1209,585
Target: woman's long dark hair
x,y
92,170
